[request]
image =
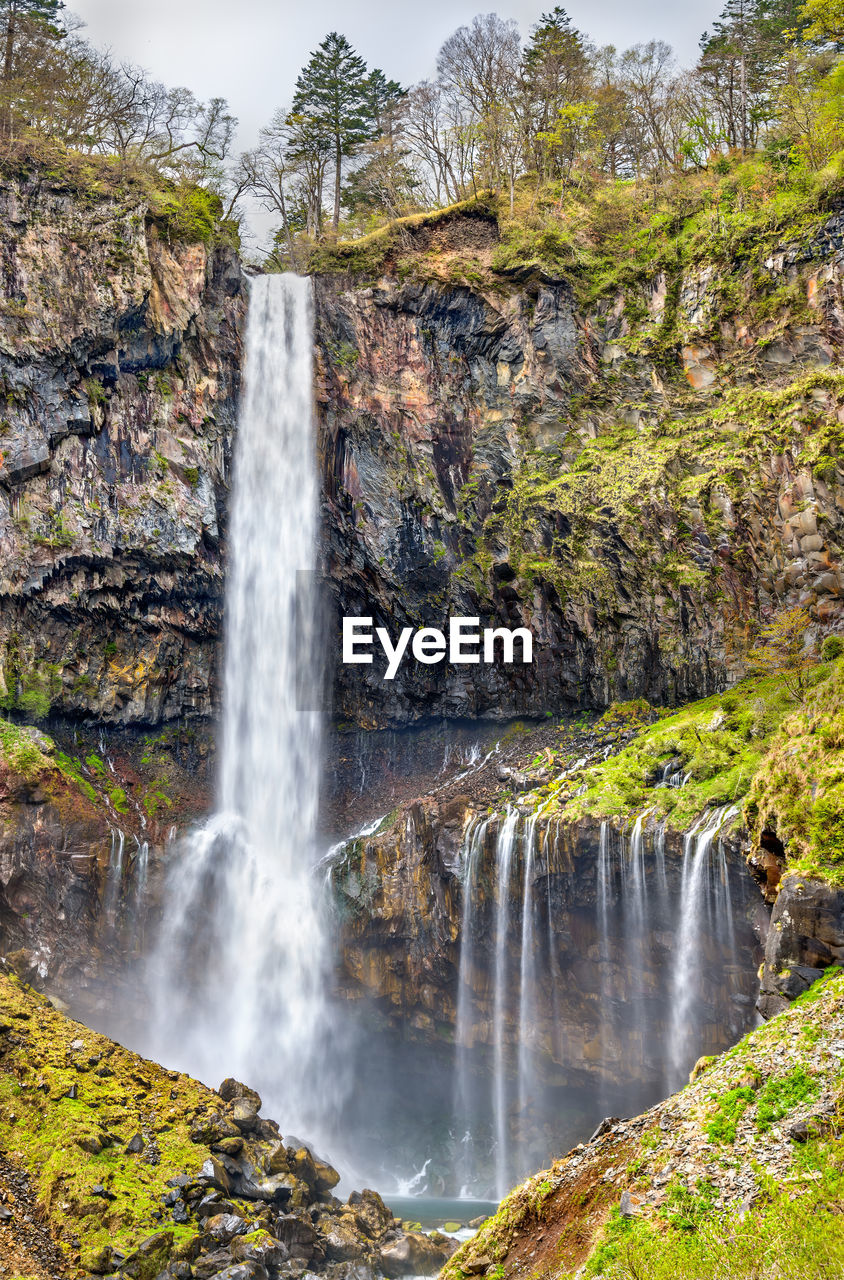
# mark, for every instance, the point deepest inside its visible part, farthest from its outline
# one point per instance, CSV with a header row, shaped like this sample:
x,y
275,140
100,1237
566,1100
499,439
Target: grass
x,y
718,743
791,1235
798,792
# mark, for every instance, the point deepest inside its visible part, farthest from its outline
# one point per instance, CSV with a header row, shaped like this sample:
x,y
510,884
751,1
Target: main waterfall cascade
x,y
239,975
663,952
239,971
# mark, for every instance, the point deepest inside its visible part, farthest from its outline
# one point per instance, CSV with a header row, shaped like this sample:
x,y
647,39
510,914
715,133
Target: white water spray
x,y
700,881
239,971
504,857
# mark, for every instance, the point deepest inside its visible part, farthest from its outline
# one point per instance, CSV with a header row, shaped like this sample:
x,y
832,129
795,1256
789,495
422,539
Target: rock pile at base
x,y
141,1173
263,1208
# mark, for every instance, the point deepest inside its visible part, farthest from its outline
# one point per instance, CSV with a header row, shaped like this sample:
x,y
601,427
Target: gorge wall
x,y
638,477
120,349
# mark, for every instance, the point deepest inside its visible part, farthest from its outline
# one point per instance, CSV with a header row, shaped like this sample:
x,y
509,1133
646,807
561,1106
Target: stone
x,y
231,1089
97,1260
417,1255
259,1246
90,1142
275,1161
298,1234
342,1242
628,1205
477,1266
278,1188
245,1113
225,1226
233,1147
214,1172
150,1256
371,1214
243,1271
135,1145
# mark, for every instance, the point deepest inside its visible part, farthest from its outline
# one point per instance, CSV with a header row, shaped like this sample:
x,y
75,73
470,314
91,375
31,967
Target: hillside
x,y
614,419
129,1169
739,1175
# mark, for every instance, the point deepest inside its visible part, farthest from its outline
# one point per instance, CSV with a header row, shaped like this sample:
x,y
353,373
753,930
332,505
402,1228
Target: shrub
x,y
832,648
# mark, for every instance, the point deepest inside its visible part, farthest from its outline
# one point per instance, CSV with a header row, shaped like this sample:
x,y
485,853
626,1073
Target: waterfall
x,y
465,1119
504,863
239,968
526,1077
603,894
652,917
114,877
700,882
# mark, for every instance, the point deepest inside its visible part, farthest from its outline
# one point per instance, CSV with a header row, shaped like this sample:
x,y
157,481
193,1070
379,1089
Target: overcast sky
x,y
250,51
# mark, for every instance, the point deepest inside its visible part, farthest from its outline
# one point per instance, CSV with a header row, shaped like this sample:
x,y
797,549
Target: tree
x,y
333,92
824,21
15,13
556,73
744,61
783,650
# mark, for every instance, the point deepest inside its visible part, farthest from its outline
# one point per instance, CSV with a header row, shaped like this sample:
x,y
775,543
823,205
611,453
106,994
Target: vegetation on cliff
x,y
740,1175
777,760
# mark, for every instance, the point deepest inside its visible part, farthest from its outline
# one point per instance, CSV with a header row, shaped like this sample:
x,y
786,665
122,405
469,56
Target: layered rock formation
x,y
805,938
120,352
637,480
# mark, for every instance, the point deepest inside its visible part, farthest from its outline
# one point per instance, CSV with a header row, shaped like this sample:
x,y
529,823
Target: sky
x,y
250,51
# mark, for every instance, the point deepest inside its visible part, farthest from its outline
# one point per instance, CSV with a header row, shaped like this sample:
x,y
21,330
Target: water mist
x,y
239,972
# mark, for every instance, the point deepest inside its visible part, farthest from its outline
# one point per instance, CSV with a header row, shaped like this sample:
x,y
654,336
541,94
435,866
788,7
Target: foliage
x,y
797,791
731,1106
189,213
780,1095
783,650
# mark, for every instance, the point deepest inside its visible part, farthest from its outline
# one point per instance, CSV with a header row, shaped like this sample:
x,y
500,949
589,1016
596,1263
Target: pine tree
x,y
332,91
555,72
382,100
13,11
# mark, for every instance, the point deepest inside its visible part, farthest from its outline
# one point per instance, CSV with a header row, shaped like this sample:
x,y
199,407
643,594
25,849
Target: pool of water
x,y
432,1212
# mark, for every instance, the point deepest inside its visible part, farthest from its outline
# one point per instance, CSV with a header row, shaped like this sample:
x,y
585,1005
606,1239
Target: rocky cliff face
x,y
805,938
638,479
120,351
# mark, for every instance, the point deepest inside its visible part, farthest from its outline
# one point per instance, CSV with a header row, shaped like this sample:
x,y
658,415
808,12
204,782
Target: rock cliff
x,y
638,472
120,353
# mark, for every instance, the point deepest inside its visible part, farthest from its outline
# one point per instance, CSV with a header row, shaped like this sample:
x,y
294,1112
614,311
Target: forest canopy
x,y
352,148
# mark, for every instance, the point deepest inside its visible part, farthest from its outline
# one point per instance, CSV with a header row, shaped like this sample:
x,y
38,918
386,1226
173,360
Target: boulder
x,y
259,1246
225,1226
150,1257
245,1114
231,1089
298,1233
341,1240
414,1255
371,1214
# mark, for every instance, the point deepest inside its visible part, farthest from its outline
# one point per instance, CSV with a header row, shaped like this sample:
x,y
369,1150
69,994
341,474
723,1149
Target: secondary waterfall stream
x,y
663,949
242,917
